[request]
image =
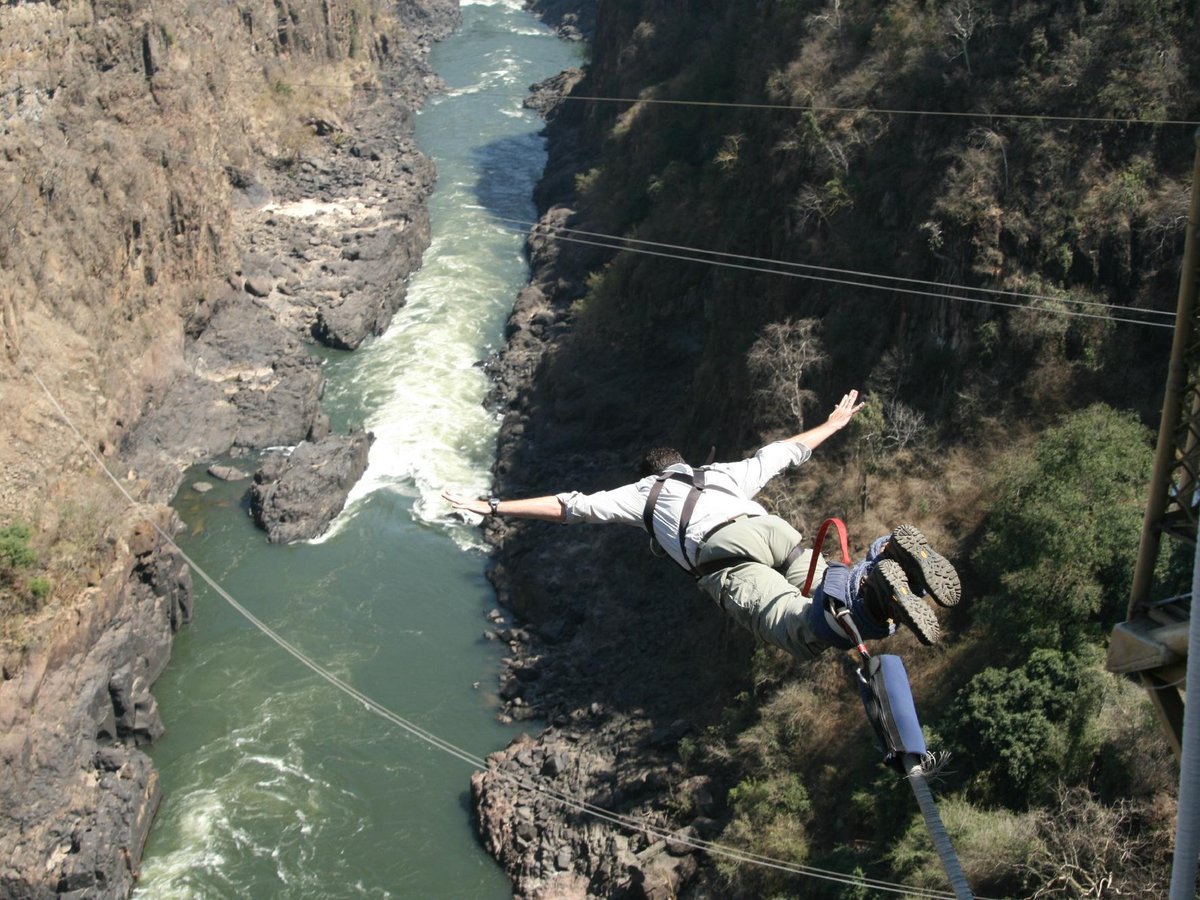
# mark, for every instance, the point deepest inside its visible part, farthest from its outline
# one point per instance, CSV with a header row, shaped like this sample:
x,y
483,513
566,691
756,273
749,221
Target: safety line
x,y
542,227
878,287
812,107
718,104
433,740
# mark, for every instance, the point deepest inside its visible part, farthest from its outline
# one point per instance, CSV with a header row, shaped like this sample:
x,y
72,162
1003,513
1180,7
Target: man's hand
x,y
845,410
547,509
842,413
465,504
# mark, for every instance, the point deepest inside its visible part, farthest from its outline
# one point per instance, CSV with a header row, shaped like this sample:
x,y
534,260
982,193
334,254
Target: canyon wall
x,y
162,273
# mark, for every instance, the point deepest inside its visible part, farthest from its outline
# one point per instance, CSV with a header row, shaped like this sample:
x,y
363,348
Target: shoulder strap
x,y
652,501
685,517
696,479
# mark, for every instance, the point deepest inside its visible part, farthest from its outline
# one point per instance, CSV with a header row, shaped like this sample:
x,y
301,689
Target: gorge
x,y
1030,154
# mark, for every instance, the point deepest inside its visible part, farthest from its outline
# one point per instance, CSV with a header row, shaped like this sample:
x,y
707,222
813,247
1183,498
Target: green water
x,y
275,783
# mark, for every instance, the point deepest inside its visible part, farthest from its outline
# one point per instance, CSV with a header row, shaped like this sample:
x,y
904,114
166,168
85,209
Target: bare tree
x,y
1089,849
779,361
905,425
963,19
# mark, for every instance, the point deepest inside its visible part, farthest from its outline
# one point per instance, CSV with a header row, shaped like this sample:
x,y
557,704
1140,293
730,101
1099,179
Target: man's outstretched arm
x,y
841,415
548,509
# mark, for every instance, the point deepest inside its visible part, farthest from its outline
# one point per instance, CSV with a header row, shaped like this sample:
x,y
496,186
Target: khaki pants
x,y
762,600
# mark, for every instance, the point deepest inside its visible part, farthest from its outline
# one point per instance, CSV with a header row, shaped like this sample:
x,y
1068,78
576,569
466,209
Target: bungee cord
x,y
624,822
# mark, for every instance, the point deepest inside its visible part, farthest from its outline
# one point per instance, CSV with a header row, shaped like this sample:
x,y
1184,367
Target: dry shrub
x,y
796,717
74,534
1089,849
291,101
992,848
1135,759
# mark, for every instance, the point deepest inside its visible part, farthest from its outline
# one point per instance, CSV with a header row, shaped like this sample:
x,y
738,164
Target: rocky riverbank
x,y
310,238
608,639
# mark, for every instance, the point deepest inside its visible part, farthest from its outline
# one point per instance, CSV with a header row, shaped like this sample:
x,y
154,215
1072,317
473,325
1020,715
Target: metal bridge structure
x,y
1152,644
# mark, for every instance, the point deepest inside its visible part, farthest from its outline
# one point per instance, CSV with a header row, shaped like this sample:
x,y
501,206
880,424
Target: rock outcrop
x,y
573,20
191,196
77,793
297,494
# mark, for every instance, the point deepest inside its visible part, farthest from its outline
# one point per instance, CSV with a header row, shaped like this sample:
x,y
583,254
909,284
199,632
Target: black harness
x,y
697,486
696,482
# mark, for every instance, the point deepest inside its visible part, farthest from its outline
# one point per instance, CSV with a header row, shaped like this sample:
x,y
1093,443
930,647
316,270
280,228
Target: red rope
x,y
842,614
817,544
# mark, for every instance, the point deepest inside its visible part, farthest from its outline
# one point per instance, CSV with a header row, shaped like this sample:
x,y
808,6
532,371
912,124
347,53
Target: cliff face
x,y
1067,224
158,258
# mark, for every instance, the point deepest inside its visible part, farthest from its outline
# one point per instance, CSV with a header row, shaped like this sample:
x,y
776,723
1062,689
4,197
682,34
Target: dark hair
x,y
659,458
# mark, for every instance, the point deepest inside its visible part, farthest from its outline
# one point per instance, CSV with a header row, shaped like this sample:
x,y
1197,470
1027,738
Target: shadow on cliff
x,y
508,169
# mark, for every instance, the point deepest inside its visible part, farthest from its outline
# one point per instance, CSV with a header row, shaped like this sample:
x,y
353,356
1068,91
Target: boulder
x,y
296,495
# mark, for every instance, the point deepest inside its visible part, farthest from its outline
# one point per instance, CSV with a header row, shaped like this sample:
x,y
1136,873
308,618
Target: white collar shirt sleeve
x,y
624,504
750,475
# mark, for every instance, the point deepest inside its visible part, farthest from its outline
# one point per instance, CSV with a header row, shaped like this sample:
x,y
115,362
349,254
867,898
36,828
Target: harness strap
x,y
837,583
708,534
689,504
845,541
652,500
842,613
696,481
794,555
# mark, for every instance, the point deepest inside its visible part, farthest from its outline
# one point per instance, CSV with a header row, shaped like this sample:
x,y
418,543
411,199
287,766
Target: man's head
x,y
658,459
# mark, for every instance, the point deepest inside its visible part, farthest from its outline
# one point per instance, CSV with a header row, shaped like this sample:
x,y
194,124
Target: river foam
x,y
275,783
424,386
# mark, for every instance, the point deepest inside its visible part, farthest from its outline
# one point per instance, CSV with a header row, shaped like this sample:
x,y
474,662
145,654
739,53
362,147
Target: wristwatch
x,y
494,503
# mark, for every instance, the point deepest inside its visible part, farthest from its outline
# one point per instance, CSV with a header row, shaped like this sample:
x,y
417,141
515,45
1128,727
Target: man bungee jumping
x,y
753,563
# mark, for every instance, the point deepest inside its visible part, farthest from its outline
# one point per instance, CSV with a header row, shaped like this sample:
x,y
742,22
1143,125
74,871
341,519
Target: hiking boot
x,y
889,597
928,572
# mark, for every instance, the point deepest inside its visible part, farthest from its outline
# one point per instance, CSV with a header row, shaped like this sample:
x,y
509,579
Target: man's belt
x,y
716,565
721,525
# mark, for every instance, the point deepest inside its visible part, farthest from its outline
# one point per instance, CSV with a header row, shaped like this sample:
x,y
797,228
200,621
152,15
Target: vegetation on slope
x,y
1011,424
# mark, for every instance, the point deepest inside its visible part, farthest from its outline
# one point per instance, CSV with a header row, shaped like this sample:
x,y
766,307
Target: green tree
x,y
769,815
1026,728
15,552
1063,532
18,590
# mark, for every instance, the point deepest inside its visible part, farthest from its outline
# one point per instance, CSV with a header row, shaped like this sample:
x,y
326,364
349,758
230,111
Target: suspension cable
x,y
861,284
545,227
715,104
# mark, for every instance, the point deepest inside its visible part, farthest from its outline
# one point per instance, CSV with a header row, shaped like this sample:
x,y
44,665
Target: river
x,y
275,783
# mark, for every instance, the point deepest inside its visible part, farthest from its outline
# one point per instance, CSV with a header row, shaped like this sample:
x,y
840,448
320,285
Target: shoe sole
x,y
926,569
906,607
